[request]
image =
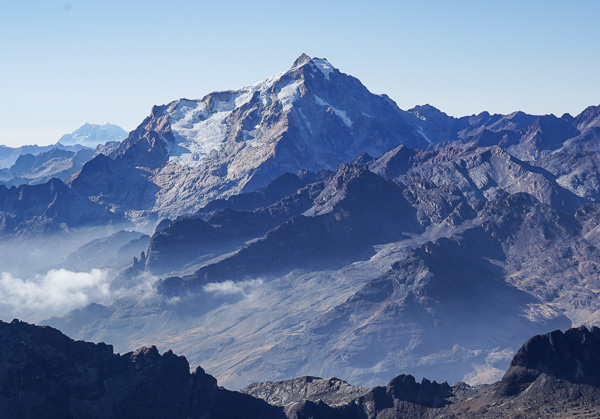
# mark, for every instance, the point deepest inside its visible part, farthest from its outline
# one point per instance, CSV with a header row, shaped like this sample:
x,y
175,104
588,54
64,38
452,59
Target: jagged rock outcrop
x,y
43,373
572,356
287,393
526,137
479,172
311,397
552,375
108,251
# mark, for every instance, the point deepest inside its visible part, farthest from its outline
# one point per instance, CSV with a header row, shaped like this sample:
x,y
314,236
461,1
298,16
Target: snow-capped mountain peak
x,y
201,127
247,116
92,135
324,66
311,116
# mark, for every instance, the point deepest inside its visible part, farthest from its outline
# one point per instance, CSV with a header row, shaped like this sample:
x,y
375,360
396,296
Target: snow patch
x,y
198,131
420,131
201,127
324,66
306,120
339,113
288,94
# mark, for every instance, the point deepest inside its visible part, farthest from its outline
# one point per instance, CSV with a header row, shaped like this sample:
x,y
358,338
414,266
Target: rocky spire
x,y
303,59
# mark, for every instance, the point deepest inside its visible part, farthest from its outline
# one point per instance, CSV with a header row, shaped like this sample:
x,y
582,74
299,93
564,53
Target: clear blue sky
x,y
65,63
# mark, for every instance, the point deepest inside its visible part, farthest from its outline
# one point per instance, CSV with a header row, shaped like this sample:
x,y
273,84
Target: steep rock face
x,y
438,125
332,398
589,118
115,184
573,356
44,373
287,393
311,117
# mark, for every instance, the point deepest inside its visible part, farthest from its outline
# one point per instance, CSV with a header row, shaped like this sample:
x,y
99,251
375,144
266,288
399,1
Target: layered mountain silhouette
x,y
312,117
305,226
46,373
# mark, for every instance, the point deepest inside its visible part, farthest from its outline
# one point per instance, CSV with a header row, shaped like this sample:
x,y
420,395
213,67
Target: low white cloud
x,y
53,294
245,288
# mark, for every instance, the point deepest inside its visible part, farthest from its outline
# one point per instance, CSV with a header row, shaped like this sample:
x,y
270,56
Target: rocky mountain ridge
x,y
46,373
526,137
429,254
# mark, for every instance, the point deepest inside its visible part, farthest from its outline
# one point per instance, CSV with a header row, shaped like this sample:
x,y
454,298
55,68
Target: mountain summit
x,y
311,116
92,135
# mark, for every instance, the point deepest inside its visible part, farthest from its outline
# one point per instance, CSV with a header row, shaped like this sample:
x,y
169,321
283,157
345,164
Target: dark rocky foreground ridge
x,y
43,373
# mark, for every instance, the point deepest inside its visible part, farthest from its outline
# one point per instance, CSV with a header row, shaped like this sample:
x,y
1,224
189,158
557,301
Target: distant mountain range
x,y
9,155
92,135
305,226
33,164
